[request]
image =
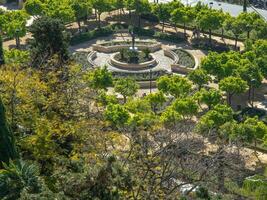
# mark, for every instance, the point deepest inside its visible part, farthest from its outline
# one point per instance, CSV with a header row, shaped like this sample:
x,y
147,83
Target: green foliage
x,y
15,56
209,97
233,85
174,85
170,117
16,177
202,193
100,78
138,106
7,142
105,99
255,186
90,35
146,52
185,58
34,7
59,9
14,23
44,46
162,11
117,115
2,58
222,65
199,77
82,9
214,118
156,100
186,107
126,87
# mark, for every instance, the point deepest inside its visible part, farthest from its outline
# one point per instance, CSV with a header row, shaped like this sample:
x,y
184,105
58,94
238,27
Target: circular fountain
x,y
142,60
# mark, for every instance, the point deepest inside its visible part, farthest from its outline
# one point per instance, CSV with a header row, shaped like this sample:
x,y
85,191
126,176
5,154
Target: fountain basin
x,y
132,66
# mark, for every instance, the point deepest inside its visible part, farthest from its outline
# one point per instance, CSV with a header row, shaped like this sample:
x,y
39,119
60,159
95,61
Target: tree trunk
x,y
184,31
96,19
17,42
79,26
210,36
249,94
222,33
99,20
124,99
163,25
248,34
220,172
139,21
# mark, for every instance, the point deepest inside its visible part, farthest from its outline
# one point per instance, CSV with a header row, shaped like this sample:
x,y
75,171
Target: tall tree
x,y
175,85
7,142
126,87
248,21
235,26
183,15
100,79
54,41
199,77
82,9
2,57
233,85
34,7
18,176
209,19
101,6
15,24
162,11
141,7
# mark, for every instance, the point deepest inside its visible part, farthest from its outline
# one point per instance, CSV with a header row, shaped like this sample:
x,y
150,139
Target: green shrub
x,y
168,37
146,51
144,32
86,36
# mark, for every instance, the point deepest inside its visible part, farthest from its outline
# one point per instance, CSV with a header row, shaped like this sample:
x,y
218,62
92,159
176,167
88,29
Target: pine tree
x,y
2,59
7,142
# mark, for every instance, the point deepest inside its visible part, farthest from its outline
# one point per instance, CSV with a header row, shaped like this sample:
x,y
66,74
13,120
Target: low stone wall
x,y
127,66
171,55
181,69
146,84
115,48
177,68
91,56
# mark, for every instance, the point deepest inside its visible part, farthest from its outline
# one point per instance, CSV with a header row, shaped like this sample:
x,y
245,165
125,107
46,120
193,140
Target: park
x,y
132,99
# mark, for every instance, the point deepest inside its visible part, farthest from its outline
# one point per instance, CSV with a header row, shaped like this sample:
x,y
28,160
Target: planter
x,y
176,66
91,56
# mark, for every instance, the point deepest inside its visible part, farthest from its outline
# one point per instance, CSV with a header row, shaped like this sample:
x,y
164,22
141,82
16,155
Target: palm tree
x,y
16,177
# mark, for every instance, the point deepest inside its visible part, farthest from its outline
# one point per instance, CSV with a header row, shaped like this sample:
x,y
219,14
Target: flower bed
x,y
185,58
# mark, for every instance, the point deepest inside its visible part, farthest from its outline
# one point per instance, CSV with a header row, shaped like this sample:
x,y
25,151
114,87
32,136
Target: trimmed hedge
x,y
110,29
90,35
158,35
